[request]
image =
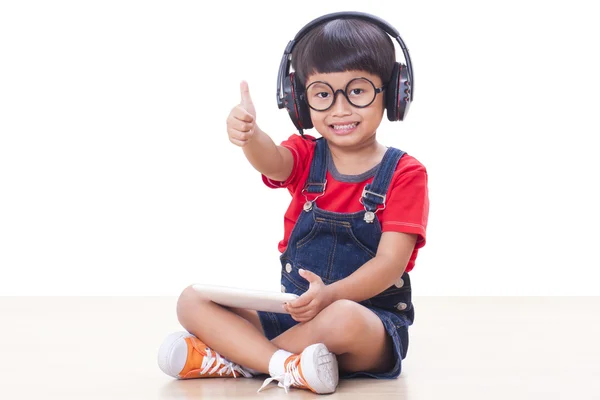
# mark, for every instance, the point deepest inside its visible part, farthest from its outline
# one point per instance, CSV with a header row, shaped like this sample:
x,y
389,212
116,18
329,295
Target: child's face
x,y
343,124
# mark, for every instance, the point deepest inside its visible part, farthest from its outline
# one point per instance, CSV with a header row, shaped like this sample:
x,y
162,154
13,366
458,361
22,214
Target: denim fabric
x,y
333,245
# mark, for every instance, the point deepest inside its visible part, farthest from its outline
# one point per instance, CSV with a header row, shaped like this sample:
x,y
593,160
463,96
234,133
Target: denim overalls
x,y
333,245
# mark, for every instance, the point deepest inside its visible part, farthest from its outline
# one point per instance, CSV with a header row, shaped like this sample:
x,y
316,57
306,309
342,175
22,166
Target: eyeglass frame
x,y
335,93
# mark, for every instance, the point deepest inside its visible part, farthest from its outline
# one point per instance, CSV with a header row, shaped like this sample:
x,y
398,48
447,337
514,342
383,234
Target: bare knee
x,y
357,335
189,306
343,320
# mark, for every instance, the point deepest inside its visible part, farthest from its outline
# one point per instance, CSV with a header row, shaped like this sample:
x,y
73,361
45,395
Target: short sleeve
x,y
302,150
407,206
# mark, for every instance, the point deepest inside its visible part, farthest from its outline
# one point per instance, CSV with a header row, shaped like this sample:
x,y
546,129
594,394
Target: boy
x,y
352,231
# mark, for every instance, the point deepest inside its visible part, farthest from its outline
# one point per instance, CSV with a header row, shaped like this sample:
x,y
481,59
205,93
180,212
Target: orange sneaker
x,y
315,369
183,356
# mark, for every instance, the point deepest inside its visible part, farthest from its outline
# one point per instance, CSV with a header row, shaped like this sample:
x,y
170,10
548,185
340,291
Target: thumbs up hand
x,y
241,122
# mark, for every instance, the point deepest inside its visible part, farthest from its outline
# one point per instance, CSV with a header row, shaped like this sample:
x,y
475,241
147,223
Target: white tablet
x,y
246,298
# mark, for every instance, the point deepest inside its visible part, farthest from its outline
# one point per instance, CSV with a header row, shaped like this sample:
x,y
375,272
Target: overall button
x,y
401,306
282,289
400,283
288,267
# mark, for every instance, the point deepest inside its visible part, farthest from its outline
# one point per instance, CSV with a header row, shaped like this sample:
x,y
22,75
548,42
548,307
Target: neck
x,y
357,160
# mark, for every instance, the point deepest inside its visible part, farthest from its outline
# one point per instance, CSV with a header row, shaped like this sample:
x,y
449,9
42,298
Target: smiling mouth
x,y
345,126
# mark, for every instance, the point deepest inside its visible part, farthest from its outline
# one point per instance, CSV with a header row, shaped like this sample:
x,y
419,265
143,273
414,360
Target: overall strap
x,y
374,193
318,169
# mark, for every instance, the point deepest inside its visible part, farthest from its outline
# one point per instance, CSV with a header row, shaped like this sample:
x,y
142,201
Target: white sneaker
x,y
315,369
183,356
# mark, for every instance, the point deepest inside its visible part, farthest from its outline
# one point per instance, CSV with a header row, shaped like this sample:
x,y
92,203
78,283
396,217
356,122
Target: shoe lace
x,y
291,377
221,366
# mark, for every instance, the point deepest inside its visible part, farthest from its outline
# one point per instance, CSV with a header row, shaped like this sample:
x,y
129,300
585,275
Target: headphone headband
x,y
284,66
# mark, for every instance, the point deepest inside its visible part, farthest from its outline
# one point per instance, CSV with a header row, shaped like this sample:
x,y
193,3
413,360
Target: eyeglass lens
x,y
360,92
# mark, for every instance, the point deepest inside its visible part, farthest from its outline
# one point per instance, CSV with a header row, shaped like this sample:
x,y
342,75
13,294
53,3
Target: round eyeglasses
x,y
360,92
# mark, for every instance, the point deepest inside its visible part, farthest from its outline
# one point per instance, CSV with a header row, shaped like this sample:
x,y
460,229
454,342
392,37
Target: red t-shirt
x,y
407,203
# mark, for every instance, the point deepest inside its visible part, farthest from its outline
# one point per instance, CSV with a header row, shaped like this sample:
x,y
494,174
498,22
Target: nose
x,y
340,106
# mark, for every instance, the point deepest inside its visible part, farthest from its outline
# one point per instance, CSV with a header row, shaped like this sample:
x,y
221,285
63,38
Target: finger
x,y
301,301
304,318
240,125
239,135
240,143
297,319
241,114
245,93
302,309
309,276
238,138
304,314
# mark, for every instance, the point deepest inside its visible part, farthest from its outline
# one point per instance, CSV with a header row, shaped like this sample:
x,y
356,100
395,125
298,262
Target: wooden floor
x,y
483,348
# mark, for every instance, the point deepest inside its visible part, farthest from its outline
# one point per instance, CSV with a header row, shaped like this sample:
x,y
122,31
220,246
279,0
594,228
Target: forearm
x,y
370,279
263,154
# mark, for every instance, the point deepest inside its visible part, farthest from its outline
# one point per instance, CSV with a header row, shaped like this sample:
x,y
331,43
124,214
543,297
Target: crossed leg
x,y
349,330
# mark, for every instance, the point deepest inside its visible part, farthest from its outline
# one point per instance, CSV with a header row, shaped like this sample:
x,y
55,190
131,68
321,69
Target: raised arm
x,y
275,162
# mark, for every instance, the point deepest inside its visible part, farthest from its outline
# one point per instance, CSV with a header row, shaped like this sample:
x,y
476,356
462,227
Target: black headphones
x,y
399,90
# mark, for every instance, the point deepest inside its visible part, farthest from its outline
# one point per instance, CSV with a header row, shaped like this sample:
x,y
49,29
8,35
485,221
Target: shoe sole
x,y
171,358
324,378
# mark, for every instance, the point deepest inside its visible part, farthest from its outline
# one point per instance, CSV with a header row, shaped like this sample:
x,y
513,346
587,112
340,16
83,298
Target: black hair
x,y
344,45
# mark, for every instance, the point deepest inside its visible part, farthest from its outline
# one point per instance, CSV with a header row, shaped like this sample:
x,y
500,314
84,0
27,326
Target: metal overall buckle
x,y
370,215
309,204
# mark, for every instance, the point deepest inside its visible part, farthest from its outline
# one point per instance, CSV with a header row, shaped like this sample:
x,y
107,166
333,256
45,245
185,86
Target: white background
x,y
117,177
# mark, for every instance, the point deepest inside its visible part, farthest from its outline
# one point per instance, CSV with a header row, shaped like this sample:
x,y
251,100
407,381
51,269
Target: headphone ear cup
x,y
391,98
288,100
398,93
293,95
302,108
